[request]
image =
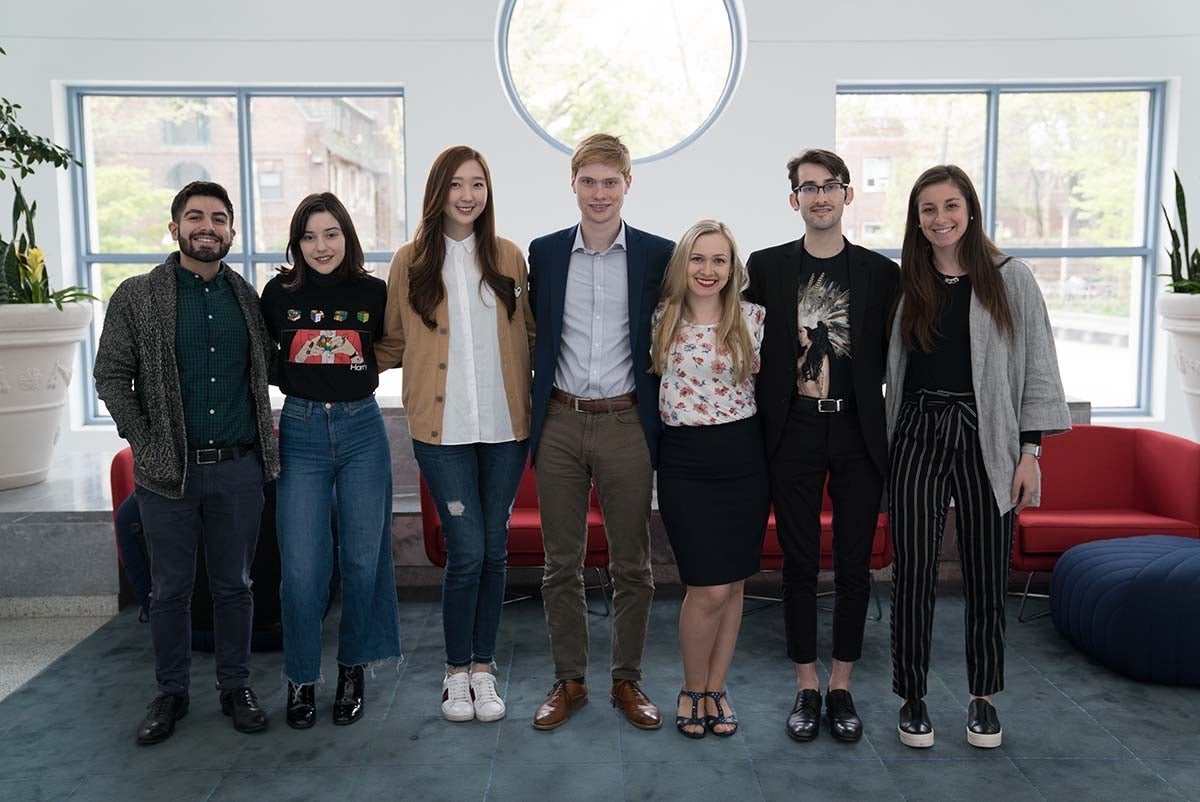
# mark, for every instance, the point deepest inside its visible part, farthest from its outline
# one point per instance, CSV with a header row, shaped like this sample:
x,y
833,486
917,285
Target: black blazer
x,y
774,283
549,258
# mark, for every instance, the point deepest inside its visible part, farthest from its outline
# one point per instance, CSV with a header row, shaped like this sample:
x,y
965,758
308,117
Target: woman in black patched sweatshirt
x,y
326,314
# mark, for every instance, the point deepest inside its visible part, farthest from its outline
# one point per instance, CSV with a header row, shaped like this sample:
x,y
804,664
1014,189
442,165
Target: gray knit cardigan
x,y
1016,380
137,376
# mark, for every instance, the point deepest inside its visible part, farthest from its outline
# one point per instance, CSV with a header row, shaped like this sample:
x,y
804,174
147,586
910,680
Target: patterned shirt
x,y
212,349
698,387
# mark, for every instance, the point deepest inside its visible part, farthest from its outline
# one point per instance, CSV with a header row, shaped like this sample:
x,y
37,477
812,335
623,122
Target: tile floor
x,y
1073,730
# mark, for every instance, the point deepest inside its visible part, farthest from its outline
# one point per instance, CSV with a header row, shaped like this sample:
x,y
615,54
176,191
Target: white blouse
x,y
698,387
476,406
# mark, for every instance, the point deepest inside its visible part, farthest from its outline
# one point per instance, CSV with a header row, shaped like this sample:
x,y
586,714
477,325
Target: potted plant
x,y
39,327
1180,306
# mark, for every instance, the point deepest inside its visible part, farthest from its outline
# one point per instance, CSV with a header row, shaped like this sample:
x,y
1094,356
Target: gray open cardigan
x,y
138,379
1016,380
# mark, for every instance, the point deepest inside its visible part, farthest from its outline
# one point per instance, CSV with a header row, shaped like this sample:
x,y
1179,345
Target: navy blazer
x,y
775,283
549,258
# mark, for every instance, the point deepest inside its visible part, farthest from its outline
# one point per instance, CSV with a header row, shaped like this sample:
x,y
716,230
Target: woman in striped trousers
x,y
973,384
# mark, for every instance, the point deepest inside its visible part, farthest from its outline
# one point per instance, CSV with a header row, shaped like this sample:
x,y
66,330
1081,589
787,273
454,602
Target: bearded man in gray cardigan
x,y
182,367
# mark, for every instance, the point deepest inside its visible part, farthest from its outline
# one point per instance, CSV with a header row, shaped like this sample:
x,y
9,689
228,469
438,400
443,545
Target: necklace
x,y
951,279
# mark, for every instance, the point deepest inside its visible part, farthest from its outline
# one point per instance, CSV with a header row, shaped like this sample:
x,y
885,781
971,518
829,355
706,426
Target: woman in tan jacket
x,y
458,320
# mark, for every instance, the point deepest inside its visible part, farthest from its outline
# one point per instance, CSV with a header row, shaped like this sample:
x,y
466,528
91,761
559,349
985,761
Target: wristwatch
x,y
1032,448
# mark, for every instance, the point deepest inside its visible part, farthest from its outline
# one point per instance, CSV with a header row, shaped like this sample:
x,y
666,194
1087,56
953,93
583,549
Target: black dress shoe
x,y
983,725
302,706
916,730
242,706
805,719
159,723
844,723
348,708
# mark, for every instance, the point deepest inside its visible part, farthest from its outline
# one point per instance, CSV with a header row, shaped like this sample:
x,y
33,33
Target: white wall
x,y
443,53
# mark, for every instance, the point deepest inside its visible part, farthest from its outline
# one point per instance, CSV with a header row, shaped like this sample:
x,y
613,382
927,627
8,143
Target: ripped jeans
x,y
473,486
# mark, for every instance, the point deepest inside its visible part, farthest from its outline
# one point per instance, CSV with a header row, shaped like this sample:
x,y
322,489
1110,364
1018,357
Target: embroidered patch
x,y
363,317
327,347
340,315
317,315
293,315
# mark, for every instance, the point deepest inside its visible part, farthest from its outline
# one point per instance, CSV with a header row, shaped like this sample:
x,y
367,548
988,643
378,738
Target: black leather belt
x,y
618,403
211,456
825,405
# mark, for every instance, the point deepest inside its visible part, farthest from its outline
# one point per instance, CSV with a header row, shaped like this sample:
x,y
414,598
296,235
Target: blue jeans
x,y
342,447
474,486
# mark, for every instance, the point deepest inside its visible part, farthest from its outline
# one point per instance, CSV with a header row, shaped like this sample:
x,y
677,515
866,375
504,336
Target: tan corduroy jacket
x,y
423,352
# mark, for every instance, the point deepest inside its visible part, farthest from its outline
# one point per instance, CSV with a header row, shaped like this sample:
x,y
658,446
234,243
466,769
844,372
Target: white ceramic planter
x,y
37,352
1181,316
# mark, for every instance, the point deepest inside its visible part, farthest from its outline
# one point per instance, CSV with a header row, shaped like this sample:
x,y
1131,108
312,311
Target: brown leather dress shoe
x,y
565,696
636,705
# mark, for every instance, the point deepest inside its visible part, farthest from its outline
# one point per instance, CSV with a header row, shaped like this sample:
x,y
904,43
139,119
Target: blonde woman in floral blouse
x,y
712,473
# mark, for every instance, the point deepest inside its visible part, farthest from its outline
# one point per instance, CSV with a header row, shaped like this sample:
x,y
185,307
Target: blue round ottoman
x,y
1133,604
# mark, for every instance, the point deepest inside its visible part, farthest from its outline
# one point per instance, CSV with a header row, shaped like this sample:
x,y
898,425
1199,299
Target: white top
x,y
595,359
476,407
698,387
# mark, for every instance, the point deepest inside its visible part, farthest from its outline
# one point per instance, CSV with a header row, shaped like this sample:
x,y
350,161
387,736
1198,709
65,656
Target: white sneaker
x,y
456,697
488,704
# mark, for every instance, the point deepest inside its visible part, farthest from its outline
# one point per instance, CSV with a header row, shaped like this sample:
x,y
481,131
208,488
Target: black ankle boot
x,y
348,708
301,706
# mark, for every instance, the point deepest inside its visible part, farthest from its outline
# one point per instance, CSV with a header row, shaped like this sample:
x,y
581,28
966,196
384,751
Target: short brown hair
x,y
602,148
824,158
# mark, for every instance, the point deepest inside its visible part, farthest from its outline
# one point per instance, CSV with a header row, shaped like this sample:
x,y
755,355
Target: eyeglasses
x,y
812,190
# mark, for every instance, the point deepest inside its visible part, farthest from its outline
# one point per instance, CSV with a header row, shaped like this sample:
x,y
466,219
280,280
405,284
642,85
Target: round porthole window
x,y
655,72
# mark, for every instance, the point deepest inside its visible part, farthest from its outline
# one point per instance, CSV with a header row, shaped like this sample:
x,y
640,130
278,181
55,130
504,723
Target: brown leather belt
x,y
618,403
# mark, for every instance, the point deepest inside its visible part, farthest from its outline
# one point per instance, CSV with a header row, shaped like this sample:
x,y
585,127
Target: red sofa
x,y
1101,482
524,530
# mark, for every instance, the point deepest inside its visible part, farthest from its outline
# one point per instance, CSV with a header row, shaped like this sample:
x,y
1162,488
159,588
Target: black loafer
x,y
242,706
301,706
844,723
983,725
805,719
916,730
348,708
159,723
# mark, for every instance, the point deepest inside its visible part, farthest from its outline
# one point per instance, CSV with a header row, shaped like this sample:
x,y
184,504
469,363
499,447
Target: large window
x,y
268,147
1068,179
658,72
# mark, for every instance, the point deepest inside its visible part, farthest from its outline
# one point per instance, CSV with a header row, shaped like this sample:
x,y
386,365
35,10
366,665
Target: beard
x,y
204,253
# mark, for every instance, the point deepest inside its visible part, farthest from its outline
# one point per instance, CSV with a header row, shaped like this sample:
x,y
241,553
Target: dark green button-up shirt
x,y
212,350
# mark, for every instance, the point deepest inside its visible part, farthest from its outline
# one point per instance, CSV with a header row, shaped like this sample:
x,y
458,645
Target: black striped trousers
x,y
935,457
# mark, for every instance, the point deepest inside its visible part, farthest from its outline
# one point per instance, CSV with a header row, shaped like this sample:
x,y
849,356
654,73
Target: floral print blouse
x,y
698,387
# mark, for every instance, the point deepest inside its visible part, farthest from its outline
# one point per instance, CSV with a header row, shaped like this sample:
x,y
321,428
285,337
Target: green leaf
x,y
1181,207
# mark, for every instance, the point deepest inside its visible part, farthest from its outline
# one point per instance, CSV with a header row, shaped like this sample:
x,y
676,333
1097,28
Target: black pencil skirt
x,y
714,496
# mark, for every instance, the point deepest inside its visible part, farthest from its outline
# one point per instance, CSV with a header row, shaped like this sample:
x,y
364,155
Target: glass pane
x,y
887,140
139,151
649,70
1093,309
350,146
1072,169
388,392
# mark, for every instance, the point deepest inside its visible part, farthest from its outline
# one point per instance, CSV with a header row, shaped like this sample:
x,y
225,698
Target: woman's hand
x,y
1026,482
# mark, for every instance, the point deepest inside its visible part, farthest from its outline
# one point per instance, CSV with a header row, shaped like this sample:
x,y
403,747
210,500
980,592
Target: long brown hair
x,y
353,264
733,336
922,286
426,290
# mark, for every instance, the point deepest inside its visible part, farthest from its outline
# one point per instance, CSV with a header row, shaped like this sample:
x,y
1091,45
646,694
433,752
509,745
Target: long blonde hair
x,y
733,336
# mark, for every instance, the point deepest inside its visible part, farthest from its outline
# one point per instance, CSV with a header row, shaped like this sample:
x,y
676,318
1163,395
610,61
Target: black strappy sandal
x,y
694,720
721,717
